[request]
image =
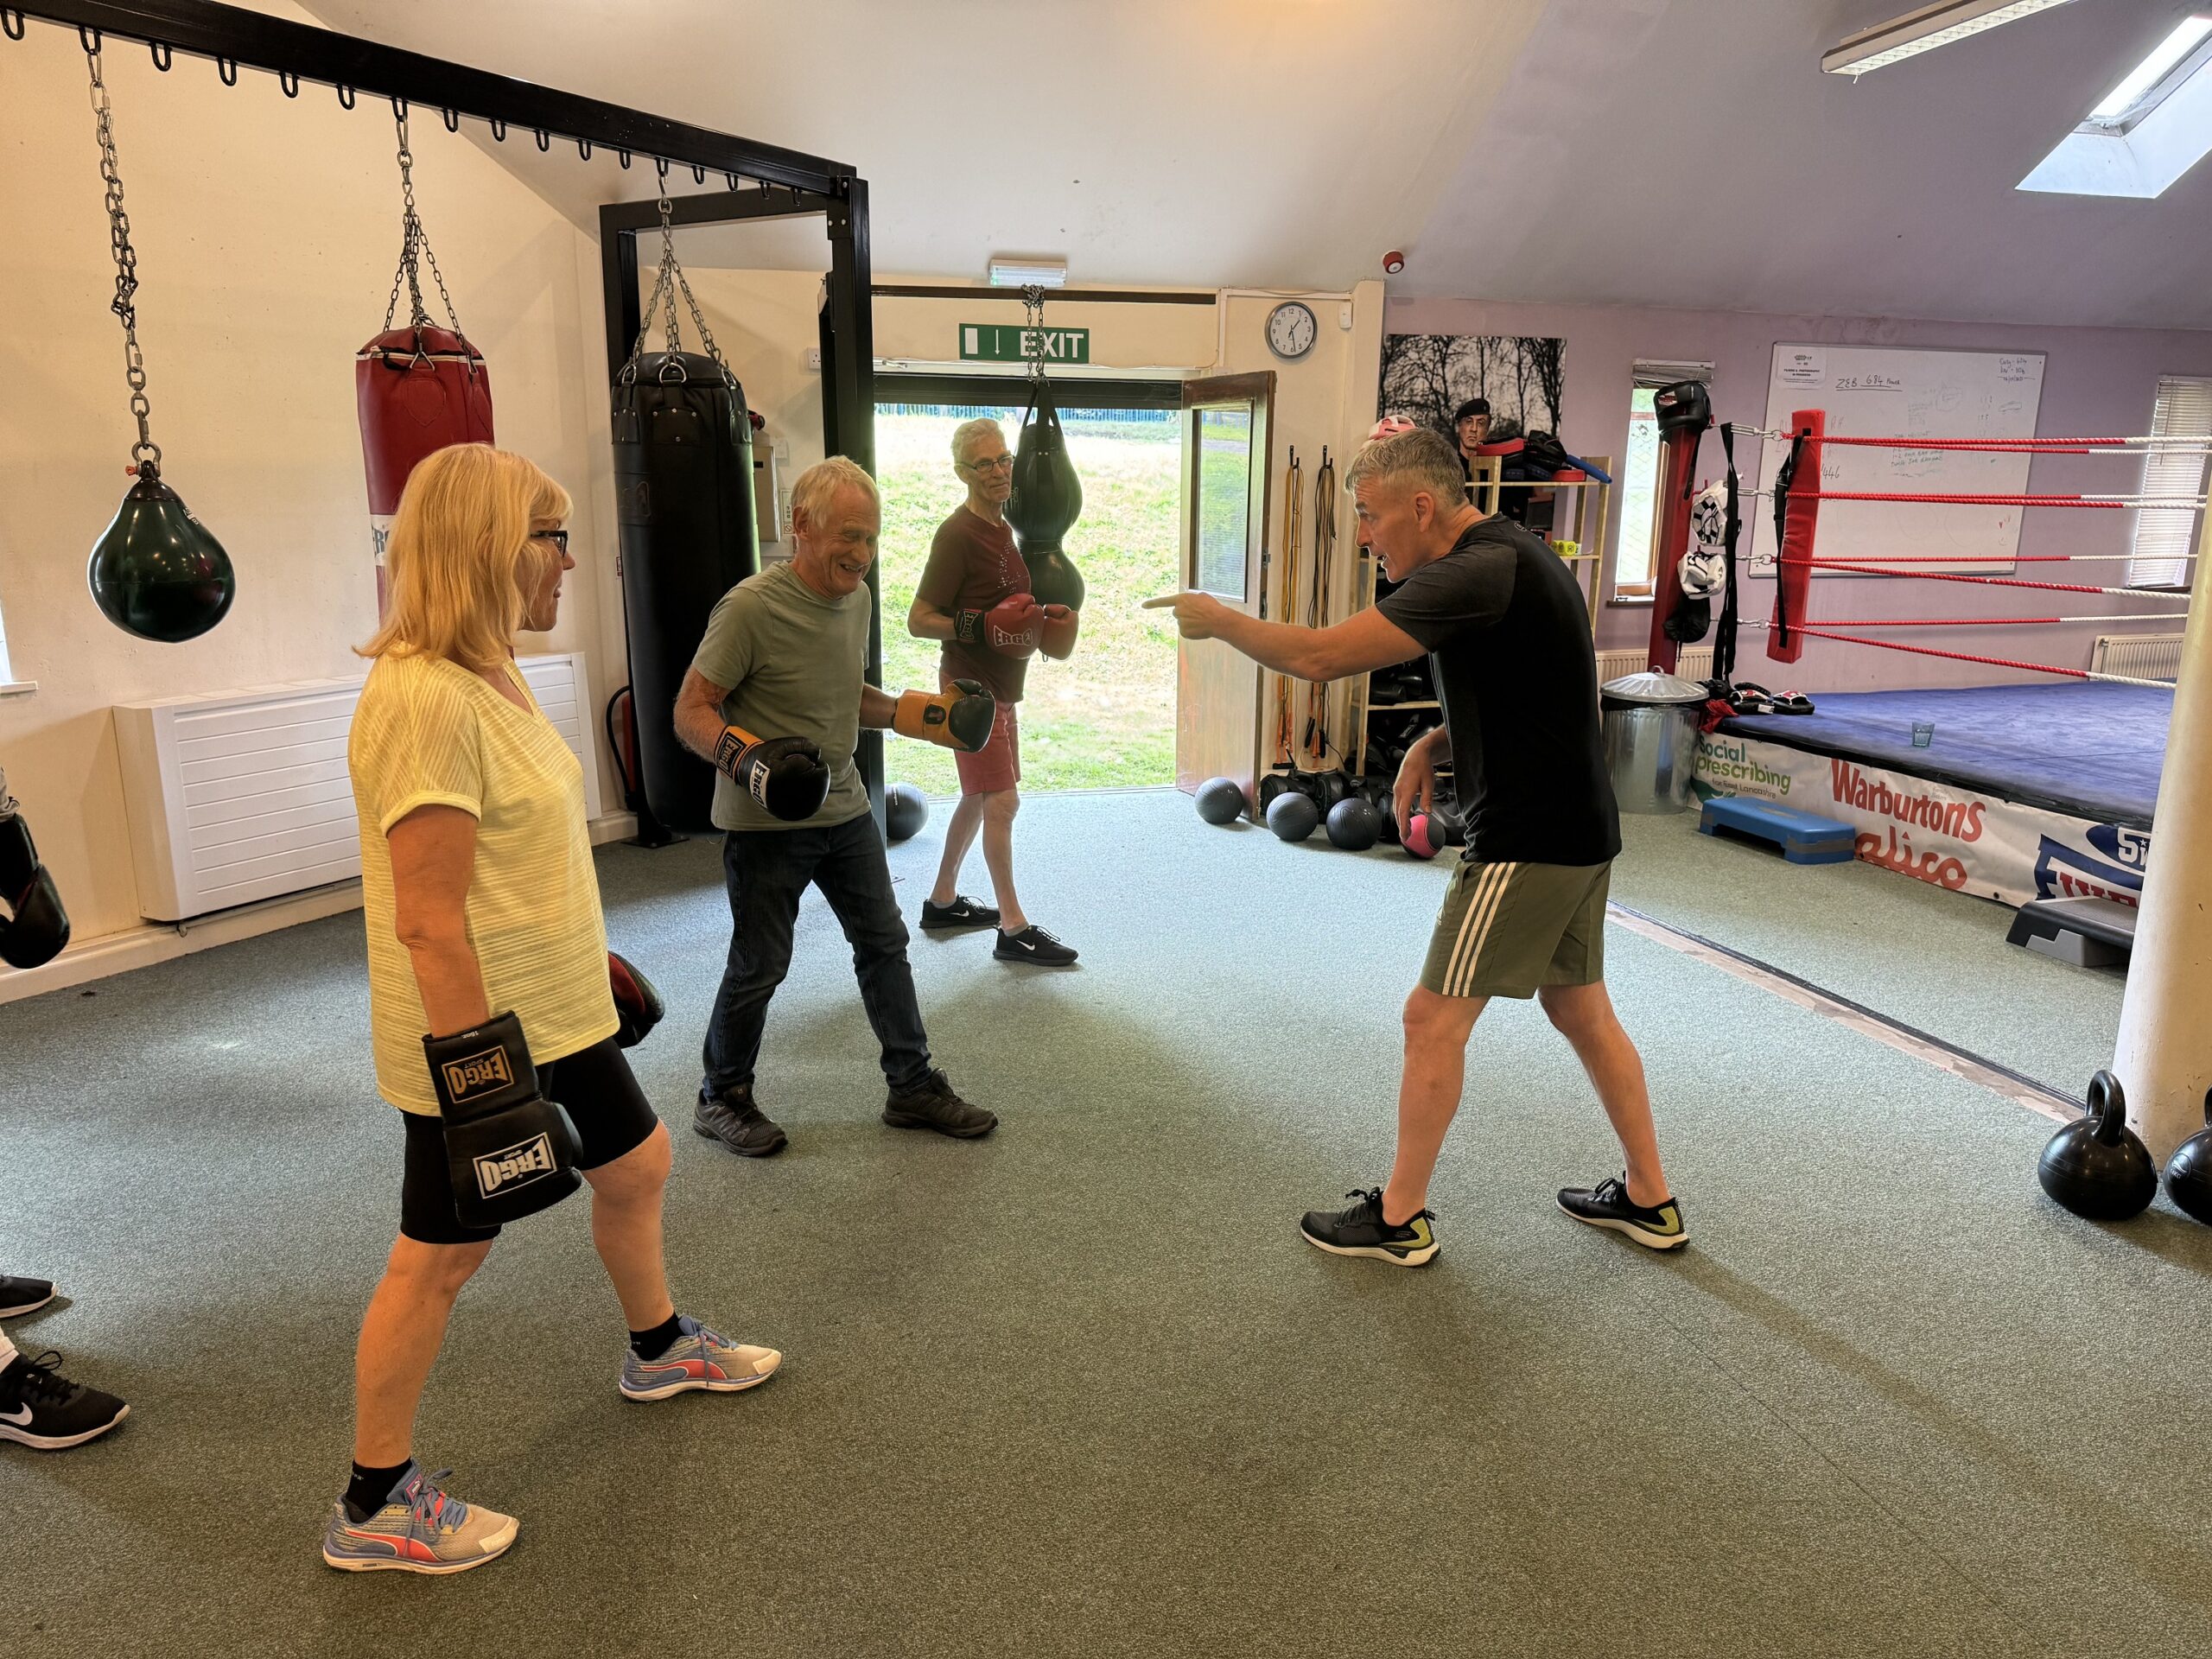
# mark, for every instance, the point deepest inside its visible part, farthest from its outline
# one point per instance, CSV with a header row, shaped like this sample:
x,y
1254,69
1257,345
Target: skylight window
x,y
2147,131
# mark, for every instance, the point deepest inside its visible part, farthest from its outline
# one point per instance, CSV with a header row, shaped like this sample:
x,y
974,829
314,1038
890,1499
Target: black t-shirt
x,y
1508,642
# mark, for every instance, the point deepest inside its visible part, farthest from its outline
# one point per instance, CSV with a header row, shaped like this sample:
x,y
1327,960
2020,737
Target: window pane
x,y
2164,537
1639,494
1224,500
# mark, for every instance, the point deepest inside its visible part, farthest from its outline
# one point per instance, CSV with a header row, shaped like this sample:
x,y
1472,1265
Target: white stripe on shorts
x,y
1482,911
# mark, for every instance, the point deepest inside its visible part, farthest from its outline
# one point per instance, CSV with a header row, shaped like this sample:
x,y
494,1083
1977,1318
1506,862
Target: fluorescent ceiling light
x,y
2153,69
1924,31
1029,273
2148,131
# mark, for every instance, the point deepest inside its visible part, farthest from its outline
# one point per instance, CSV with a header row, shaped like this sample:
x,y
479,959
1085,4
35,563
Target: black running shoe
x,y
1361,1231
962,911
1606,1204
40,1407
23,1295
932,1105
731,1118
1032,945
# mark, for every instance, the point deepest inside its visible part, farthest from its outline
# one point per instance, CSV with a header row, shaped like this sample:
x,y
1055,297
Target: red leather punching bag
x,y
417,387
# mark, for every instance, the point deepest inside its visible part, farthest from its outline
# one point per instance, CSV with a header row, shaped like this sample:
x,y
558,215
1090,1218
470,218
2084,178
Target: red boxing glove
x,y
1012,627
1057,637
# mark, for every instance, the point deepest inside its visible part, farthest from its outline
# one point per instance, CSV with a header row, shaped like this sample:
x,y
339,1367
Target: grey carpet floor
x,y
1079,1388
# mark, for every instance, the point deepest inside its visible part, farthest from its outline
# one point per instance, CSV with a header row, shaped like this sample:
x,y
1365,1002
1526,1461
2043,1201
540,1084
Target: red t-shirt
x,y
973,565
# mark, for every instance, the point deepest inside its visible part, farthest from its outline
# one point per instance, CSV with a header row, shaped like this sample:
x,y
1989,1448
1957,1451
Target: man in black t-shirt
x,y
1508,643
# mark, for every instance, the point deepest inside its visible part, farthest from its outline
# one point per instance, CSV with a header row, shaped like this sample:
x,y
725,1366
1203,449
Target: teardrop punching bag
x,y
1046,501
418,388
156,571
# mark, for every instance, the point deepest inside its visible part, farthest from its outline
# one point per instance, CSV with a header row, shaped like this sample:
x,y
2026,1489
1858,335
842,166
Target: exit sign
x,y
993,342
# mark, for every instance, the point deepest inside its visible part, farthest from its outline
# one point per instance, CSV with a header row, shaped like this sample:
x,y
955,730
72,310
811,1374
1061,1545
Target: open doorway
x,y
1105,719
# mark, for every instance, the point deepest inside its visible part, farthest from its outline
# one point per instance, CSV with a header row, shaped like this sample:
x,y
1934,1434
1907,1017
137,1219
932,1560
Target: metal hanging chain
x,y
414,247
145,454
1032,308
668,281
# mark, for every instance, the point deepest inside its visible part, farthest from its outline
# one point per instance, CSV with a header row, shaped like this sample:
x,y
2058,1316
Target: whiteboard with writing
x,y
1881,391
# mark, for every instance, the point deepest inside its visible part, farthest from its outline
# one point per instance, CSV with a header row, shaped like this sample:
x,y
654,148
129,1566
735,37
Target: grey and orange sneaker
x,y
1360,1230
1607,1204
700,1358
421,1528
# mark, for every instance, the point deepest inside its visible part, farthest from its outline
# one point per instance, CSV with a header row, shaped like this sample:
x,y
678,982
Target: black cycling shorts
x,y
610,1112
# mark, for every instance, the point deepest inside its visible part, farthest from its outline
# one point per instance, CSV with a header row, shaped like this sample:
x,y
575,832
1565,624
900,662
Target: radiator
x,y
240,796
2141,657
1695,663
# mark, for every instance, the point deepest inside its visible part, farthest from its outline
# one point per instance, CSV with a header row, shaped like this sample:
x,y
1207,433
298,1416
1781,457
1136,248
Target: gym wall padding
x,y
684,506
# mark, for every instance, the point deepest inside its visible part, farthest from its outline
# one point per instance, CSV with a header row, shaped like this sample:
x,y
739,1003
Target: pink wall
x,y
2095,381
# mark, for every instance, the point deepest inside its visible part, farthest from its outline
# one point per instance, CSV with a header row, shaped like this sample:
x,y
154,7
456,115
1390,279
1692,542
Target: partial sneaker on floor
x,y
421,1528
1607,1204
962,911
731,1118
1032,945
932,1105
41,1407
23,1295
1359,1229
700,1358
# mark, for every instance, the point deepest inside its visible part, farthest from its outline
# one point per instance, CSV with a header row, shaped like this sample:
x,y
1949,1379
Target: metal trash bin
x,y
1650,722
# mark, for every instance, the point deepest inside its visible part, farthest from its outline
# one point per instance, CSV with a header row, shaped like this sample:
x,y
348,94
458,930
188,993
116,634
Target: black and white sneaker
x,y
1606,1204
40,1407
23,1295
1033,945
731,1118
962,911
1361,1231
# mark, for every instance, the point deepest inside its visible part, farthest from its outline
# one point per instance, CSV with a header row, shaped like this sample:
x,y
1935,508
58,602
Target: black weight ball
x,y
1353,824
1294,816
906,809
1221,800
2096,1166
2188,1172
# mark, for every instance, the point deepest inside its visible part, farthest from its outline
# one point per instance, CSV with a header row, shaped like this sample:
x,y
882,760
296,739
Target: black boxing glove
x,y
511,1151
784,774
636,1004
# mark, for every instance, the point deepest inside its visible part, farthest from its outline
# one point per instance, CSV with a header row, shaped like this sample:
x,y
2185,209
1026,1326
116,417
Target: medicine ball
x,y
1353,824
905,810
1293,816
1220,800
1422,838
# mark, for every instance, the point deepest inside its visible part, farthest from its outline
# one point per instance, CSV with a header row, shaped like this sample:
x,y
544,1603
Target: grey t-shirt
x,y
793,661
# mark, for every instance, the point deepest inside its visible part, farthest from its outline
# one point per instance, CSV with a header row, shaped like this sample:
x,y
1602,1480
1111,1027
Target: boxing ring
x,y
2017,791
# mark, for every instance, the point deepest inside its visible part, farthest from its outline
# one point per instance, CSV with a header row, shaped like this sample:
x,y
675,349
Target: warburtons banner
x,y
1942,834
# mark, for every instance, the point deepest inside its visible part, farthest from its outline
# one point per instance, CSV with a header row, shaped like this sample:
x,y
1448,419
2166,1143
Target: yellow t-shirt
x,y
428,732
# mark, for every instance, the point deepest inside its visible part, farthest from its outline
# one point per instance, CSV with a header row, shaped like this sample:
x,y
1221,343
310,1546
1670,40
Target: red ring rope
x,y
1968,656
1989,581
1964,500
2062,446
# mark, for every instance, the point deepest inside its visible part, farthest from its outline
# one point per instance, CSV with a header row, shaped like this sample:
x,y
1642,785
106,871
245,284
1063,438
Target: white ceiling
x,y
1670,152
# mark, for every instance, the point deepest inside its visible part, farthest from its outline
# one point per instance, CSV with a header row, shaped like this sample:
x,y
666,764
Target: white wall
x,y
267,230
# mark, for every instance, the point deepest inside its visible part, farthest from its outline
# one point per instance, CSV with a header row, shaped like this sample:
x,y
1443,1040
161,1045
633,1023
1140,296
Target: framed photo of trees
x,y
1426,377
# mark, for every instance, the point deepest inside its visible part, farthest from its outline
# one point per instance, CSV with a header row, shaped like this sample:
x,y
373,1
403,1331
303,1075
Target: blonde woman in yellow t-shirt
x,y
488,992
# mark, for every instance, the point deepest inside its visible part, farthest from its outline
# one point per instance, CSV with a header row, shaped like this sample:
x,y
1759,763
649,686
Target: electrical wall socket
x,y
814,358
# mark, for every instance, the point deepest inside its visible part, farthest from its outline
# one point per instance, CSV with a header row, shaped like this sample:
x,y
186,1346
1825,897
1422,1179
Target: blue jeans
x,y
766,871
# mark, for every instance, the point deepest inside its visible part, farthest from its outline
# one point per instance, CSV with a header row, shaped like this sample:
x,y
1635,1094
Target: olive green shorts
x,y
1508,930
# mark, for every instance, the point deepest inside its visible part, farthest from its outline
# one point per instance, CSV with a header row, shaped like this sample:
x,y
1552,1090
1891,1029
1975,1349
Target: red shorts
x,y
997,764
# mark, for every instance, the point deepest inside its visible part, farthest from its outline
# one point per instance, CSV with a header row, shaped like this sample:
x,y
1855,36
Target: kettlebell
x,y
2096,1165
2188,1172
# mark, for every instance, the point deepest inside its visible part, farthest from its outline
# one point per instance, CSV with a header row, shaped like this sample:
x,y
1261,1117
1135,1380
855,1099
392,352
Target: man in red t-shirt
x,y
975,596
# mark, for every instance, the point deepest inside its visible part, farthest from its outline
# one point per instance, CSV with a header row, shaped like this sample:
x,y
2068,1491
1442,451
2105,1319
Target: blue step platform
x,y
1804,837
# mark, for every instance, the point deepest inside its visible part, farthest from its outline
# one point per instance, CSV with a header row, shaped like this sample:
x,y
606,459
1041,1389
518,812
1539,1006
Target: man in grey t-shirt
x,y
783,657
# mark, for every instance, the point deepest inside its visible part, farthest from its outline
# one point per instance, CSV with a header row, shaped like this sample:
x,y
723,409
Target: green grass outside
x,y
1104,718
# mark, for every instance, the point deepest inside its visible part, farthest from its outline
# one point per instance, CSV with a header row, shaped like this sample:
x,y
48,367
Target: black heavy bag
x,y
683,502
1046,501
34,925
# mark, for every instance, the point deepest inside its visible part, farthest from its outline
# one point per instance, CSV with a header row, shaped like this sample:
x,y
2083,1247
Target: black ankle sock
x,y
370,1489
652,1344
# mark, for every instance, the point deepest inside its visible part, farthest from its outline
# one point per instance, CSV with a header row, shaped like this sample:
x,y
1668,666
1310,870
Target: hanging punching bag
x,y
1684,409
684,503
1046,501
417,388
